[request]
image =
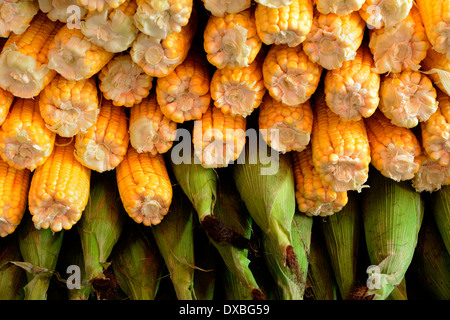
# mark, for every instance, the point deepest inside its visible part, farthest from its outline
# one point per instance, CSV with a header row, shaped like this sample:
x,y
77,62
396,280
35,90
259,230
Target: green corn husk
x,y
11,276
291,285
40,250
269,196
342,236
321,280
137,263
441,211
232,287
392,216
100,227
431,262
174,237
399,292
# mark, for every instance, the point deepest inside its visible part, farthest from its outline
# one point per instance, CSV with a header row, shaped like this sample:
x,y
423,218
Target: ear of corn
x,y
232,40
342,238
352,91
400,47
69,106
40,250
385,13
137,263
16,16
431,175
25,140
441,211
219,8
175,239
59,189
390,231
395,151
6,100
23,60
289,75
437,67
339,7
11,276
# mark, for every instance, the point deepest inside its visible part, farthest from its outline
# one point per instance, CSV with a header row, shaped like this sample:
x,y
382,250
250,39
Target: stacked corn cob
x,y
109,88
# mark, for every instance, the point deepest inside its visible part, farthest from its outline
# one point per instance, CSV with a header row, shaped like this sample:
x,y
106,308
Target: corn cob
x,y
352,90
159,57
440,206
150,130
100,227
59,189
40,250
407,98
287,25
66,11
385,13
158,19
437,67
436,131
183,94
285,128
289,75
112,29
232,40
219,8
274,3
342,237
124,82
104,145
401,47
74,56
69,106
11,276
334,39
25,141
15,184
99,5
175,240
395,151
431,175
238,91
391,232
6,100
340,149
16,16
218,138
314,196
24,67
137,263
144,186
339,7
436,19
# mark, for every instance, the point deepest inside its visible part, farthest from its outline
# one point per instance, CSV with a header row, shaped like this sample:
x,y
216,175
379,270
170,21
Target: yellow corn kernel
x,y
407,98
286,25
112,29
219,8
25,140
285,128
159,57
232,40
334,39
6,100
436,131
150,130
351,91
99,5
341,151
14,186
183,94
59,189
218,138
437,67
339,7
16,16
103,145
314,196
401,47
289,76
69,106
385,13
23,61
73,56
395,151
238,91
144,186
